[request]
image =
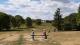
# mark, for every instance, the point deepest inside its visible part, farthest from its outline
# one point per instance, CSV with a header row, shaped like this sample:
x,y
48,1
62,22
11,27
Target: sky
x,y
38,9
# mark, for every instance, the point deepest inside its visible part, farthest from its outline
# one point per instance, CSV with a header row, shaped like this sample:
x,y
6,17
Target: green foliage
x,y
58,19
49,21
4,21
79,9
78,16
12,21
38,22
70,21
71,18
19,20
67,26
28,22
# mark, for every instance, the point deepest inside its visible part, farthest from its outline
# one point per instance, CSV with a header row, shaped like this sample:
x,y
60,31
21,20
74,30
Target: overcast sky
x,y
42,9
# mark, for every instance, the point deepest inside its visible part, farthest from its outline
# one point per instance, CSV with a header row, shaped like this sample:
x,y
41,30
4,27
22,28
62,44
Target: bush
x,y
38,22
74,27
78,27
67,27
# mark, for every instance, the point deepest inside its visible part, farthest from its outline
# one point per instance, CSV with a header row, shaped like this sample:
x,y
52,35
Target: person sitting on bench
x,y
44,34
32,34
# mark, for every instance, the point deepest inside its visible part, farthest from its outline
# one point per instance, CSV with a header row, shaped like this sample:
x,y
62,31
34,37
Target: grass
x,y
45,42
55,38
20,40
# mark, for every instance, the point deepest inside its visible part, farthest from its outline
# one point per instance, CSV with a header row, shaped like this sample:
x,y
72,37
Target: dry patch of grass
x,y
67,38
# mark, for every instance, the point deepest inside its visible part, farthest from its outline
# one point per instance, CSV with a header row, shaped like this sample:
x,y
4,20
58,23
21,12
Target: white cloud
x,y
64,1
43,9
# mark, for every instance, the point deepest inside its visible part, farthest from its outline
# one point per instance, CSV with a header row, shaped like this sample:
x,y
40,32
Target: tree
x,y
19,20
79,9
13,21
58,19
38,22
4,21
71,20
28,22
78,16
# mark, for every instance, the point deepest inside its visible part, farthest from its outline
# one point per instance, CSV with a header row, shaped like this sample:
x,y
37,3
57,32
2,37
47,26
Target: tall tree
x,y
78,16
28,22
58,19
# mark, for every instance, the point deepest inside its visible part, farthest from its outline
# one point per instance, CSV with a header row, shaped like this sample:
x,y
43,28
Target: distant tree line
x,y
7,22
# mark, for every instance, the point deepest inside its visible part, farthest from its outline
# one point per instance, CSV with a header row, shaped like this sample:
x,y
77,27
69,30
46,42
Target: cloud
x,y
43,9
63,1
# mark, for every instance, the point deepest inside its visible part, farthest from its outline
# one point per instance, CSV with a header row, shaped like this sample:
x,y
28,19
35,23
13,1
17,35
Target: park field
x,y
54,38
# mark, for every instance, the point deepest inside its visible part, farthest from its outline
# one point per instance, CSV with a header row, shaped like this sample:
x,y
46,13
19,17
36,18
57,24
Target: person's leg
x,y
45,36
32,37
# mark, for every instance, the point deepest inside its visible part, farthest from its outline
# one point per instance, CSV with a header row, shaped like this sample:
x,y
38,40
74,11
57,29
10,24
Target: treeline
x,y
68,23
8,22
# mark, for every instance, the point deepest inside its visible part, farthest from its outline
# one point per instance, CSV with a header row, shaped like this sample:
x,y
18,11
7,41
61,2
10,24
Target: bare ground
x,y
54,38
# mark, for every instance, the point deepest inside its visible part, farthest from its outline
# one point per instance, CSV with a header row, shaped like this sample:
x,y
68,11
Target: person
x,y
44,34
32,34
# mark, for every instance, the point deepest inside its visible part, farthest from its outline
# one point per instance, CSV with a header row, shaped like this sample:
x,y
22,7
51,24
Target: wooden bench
x,y
33,36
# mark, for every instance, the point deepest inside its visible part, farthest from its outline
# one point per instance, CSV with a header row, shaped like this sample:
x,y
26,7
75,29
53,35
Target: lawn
x,y
54,38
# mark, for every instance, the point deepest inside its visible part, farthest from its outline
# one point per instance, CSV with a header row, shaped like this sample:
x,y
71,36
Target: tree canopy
x,y
19,20
4,21
28,22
